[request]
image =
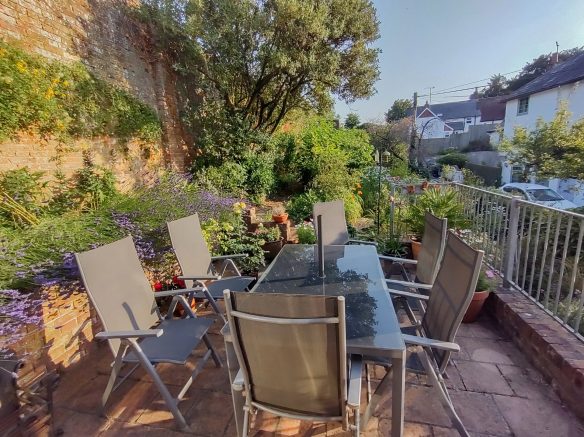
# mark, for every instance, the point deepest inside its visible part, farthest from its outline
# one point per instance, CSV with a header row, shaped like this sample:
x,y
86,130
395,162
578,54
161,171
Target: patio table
x,y
352,271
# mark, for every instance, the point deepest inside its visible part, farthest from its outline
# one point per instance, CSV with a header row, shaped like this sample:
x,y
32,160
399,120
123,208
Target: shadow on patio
x,y
494,389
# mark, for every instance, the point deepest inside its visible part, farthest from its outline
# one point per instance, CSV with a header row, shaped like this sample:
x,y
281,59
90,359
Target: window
x,y
469,120
523,106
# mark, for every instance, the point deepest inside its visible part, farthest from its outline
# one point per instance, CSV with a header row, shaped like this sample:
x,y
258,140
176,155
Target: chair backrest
x,y
292,351
189,246
432,250
452,292
334,225
118,288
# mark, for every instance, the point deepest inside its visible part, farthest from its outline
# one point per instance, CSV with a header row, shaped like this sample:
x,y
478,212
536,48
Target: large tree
x,y
553,149
352,121
262,58
400,109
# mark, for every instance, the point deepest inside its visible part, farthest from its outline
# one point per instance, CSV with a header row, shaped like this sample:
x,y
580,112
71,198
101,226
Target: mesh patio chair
x,y
428,262
197,264
431,342
292,355
133,325
334,224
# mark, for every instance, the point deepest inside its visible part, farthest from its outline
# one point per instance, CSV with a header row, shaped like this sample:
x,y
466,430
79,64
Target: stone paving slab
x,y
495,391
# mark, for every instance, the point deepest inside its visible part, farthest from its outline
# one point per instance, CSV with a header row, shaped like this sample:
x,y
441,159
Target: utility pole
x,y
412,155
557,52
430,88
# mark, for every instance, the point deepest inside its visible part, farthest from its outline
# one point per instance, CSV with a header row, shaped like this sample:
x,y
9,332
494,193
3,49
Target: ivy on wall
x,y
66,101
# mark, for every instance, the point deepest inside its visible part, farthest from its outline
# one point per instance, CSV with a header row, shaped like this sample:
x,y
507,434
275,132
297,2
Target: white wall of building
x,y
430,127
545,105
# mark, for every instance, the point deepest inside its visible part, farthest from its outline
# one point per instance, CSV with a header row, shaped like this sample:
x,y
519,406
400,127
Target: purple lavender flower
x,y
17,310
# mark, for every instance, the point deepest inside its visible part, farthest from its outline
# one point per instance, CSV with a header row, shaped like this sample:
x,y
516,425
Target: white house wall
x,y
544,105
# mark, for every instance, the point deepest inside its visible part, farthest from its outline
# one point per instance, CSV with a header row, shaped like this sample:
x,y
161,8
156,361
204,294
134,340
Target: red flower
x,y
179,282
158,286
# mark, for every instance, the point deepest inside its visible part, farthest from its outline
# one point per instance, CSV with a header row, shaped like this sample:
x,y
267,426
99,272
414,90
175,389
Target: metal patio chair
x,y
133,325
198,266
431,341
428,262
292,355
334,224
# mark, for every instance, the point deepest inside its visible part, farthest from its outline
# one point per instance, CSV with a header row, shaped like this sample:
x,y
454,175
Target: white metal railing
x,y
535,249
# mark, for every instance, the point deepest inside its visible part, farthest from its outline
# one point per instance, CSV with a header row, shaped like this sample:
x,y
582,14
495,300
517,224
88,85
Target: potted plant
x,y
279,214
482,291
273,240
443,203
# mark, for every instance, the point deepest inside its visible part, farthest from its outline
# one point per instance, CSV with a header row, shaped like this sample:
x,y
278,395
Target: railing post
x,y
512,239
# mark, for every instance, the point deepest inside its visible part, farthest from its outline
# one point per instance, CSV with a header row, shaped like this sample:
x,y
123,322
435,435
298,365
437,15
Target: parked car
x,y
538,194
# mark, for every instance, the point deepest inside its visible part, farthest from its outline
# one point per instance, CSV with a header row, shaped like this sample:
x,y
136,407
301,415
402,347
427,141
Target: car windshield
x,y
544,195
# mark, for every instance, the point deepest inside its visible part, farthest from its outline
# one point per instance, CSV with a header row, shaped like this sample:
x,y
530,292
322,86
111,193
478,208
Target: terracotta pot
x,y
273,248
282,218
425,185
416,247
411,189
476,304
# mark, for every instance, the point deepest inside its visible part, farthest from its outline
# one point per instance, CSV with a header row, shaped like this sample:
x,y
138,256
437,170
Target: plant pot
x,y
281,218
411,189
425,185
476,304
416,247
272,248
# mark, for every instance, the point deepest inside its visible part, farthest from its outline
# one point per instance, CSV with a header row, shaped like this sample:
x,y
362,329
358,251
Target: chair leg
x,y
357,422
213,304
216,358
170,402
438,382
245,421
117,366
368,379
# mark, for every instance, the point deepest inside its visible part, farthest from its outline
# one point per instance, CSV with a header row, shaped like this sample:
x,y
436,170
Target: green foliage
x,y
22,195
65,101
553,149
483,284
306,234
471,178
300,207
454,158
261,60
442,202
352,121
260,178
226,178
398,110
269,233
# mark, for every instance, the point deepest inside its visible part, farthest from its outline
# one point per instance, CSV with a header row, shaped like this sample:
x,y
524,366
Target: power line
x,y
476,81
453,91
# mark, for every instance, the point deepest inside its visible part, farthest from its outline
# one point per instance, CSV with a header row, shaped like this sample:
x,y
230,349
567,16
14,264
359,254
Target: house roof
x,y
571,70
448,111
456,125
489,109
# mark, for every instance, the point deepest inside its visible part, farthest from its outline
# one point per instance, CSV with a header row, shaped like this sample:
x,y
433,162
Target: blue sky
x,y
445,43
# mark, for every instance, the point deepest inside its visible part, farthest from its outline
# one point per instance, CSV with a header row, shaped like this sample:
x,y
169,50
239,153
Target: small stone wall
x,y
556,353
70,324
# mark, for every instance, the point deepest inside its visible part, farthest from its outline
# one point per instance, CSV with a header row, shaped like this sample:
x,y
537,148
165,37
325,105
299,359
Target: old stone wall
x,y
108,40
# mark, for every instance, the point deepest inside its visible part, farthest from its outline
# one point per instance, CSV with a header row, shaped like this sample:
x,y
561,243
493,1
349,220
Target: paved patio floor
x,y
495,390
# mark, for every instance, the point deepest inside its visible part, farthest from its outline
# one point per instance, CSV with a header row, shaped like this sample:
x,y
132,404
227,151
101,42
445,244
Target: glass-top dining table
x,y
372,327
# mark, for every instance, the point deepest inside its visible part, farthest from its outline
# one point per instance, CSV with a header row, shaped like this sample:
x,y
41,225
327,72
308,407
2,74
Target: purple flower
x,y
17,310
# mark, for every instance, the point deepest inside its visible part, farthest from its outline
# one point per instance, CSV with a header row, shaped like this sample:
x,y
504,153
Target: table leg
x,y
397,395
236,396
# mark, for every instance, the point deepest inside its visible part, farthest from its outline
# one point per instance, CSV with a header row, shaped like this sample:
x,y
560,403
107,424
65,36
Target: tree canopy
x,y
398,110
553,149
263,58
352,121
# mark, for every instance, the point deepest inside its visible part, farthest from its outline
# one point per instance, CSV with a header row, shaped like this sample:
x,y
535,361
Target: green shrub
x,y
52,98
260,178
443,203
228,178
22,195
455,158
300,207
306,234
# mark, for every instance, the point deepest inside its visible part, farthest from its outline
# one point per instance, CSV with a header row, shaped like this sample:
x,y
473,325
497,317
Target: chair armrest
x,y
410,284
430,342
354,391
399,260
167,293
235,255
408,294
238,382
372,243
139,333
198,277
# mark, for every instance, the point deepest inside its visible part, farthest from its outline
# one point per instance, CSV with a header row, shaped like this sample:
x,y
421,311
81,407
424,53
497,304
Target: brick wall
x,y
102,35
